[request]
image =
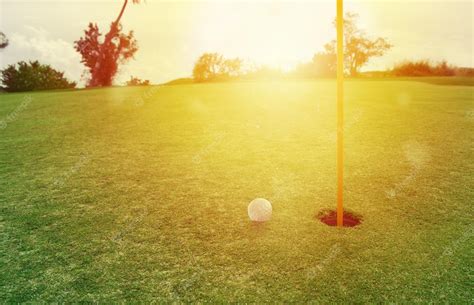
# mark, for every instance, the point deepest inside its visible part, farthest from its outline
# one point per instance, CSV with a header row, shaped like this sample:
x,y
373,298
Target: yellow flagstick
x,y
340,112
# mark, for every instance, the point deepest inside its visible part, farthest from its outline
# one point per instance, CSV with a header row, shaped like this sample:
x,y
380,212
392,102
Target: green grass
x,y
141,194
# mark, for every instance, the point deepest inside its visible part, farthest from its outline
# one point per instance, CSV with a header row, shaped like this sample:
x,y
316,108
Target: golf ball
x,y
260,210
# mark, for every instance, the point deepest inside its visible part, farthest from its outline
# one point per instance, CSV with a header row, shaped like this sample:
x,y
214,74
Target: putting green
x,y
141,194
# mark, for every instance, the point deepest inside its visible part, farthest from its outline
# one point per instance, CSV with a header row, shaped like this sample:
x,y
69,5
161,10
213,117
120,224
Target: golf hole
x,y
329,217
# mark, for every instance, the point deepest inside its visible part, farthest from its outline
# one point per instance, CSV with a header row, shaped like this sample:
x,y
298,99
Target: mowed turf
x,y
141,194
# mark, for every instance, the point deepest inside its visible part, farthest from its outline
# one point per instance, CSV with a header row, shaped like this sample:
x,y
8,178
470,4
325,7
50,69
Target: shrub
x,y
135,81
465,72
423,68
33,76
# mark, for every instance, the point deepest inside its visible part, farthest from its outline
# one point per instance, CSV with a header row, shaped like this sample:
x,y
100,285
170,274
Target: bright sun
x,y
279,35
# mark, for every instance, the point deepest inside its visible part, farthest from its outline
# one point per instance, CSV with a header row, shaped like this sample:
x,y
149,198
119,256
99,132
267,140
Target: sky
x,y
172,34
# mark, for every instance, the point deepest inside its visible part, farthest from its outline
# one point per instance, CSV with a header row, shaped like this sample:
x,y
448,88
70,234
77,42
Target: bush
x,y
135,81
33,76
465,72
423,68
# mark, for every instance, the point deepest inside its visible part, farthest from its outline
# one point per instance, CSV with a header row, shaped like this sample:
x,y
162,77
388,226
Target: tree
x,y
213,66
3,41
358,49
102,58
325,64
322,65
33,76
232,67
207,67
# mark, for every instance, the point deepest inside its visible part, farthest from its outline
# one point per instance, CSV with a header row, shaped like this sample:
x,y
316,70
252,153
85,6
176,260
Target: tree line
x,y
359,49
102,54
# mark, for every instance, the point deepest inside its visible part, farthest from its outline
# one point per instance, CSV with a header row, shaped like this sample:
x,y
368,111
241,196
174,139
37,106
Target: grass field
x,y
141,194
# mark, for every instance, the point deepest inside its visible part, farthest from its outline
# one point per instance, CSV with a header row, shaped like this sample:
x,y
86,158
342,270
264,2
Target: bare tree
x,y
358,48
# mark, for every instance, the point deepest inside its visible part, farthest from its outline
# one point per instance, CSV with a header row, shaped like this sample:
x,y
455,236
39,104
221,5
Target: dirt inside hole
x,y
329,217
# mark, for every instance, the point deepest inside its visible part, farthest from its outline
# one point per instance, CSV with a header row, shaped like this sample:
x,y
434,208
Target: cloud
x,y
35,43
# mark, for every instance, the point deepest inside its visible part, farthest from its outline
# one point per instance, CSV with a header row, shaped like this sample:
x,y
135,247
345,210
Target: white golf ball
x,y
260,210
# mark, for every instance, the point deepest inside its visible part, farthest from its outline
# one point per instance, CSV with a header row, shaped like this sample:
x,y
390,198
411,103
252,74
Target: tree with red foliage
x,y
103,57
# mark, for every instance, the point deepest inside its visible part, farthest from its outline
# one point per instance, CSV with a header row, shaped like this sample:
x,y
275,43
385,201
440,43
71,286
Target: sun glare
x,y
273,34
